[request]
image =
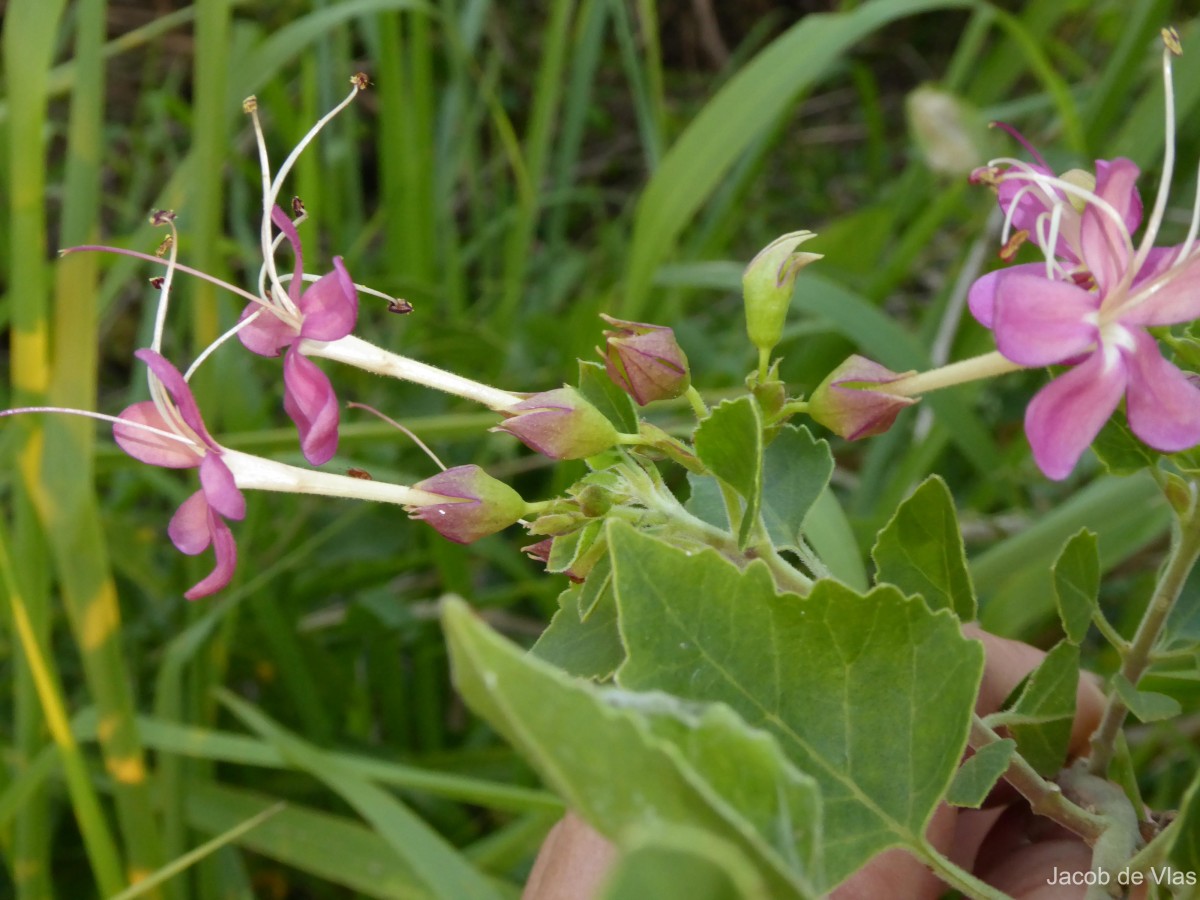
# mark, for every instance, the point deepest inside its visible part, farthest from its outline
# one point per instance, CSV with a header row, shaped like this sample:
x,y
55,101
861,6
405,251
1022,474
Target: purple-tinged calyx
x,y
645,361
472,504
560,424
849,401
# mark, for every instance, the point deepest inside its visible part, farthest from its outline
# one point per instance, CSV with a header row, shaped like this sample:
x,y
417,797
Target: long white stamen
x,y
265,237
271,191
164,291
179,267
407,431
211,348
1164,184
1089,197
104,417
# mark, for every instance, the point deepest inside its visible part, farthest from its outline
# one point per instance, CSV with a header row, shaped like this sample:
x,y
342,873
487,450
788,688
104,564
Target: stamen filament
x,y
1164,184
103,417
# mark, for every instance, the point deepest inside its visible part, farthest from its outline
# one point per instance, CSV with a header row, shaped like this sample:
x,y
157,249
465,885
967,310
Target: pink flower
x,y
1094,319
326,311
200,520
1050,211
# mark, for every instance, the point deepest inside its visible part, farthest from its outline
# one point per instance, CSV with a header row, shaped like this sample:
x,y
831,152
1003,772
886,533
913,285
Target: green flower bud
x,y
767,287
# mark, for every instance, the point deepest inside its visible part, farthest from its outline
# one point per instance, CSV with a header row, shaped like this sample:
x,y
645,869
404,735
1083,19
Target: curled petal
x,y
1066,415
284,224
268,334
330,305
220,489
190,529
1105,248
147,447
310,401
1163,406
181,394
1039,322
225,550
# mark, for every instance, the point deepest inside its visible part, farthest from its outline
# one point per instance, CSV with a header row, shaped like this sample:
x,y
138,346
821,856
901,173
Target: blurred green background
x,y
514,170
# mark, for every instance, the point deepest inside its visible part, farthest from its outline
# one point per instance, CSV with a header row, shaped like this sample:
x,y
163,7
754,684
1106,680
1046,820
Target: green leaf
x,y
680,863
435,862
829,533
1077,583
978,775
796,469
599,750
729,442
921,551
1120,451
598,389
871,695
1041,719
1014,576
705,501
1146,706
588,647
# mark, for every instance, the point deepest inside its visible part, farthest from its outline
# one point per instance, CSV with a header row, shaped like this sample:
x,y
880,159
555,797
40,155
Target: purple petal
x,y
181,394
1039,322
147,447
1066,415
220,489
310,401
284,224
190,529
1158,260
1170,299
981,298
1102,239
225,549
267,335
1120,189
1163,406
330,305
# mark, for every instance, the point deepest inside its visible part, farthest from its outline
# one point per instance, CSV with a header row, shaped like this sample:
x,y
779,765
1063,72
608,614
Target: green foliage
x,y
626,760
697,628
978,775
1077,584
920,551
1040,719
796,470
513,174
730,443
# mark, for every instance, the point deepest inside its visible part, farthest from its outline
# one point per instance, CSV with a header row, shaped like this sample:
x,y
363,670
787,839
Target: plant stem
x,y
1045,797
1184,552
958,878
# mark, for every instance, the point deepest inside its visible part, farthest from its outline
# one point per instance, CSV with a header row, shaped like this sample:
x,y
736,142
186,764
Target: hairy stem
x,y
1045,797
1184,552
